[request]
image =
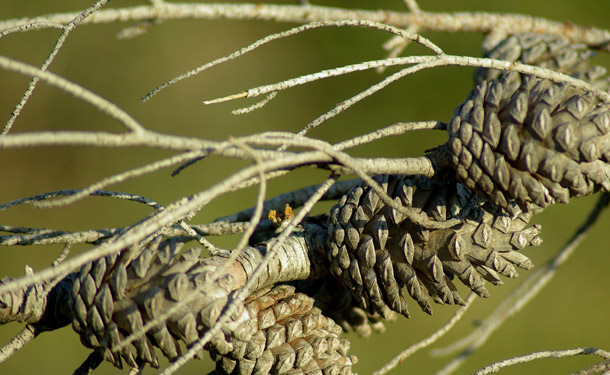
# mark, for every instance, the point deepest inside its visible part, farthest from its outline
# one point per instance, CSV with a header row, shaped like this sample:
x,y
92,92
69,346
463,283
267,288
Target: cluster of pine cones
x,y
518,144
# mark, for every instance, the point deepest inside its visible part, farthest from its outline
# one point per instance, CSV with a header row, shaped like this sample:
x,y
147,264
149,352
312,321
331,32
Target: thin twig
x,y
51,236
395,129
396,45
412,6
495,367
344,105
139,29
44,236
595,368
423,62
118,178
429,340
103,139
284,34
77,91
90,364
62,193
189,230
48,236
253,107
27,334
60,42
31,26
63,255
258,209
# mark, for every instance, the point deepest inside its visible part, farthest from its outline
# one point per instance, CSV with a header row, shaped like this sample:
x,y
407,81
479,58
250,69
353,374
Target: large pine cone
x,y
375,250
540,143
292,337
522,138
116,296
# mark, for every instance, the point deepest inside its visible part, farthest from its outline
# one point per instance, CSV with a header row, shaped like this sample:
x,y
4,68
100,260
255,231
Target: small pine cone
x,y
536,143
292,337
337,303
116,296
375,250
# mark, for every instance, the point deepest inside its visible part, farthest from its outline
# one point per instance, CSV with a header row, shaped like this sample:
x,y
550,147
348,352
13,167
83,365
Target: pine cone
x,y
375,250
114,297
541,143
522,138
292,337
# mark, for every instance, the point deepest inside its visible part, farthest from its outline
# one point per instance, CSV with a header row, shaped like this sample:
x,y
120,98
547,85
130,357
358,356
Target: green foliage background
x,y
573,311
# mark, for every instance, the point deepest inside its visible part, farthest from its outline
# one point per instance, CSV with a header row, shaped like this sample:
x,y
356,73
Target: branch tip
x,y
243,94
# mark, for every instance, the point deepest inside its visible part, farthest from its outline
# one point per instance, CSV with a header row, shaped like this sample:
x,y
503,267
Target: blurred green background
x,y
572,311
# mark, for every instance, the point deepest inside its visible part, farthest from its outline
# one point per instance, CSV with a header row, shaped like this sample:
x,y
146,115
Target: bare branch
x,y
255,106
423,62
31,26
396,45
314,25
596,368
396,129
495,367
132,173
63,255
60,193
44,236
412,6
26,335
60,42
427,21
90,364
77,91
